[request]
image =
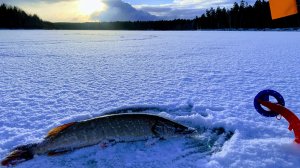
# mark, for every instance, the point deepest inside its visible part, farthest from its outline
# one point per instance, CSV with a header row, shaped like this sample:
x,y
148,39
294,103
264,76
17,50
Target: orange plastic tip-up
x,y
282,8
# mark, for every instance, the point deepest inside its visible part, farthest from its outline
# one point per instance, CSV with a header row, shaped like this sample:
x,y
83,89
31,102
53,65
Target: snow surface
x,y
202,79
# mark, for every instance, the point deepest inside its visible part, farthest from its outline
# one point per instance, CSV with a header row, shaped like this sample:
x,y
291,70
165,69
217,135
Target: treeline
x,y
246,16
178,24
14,18
240,16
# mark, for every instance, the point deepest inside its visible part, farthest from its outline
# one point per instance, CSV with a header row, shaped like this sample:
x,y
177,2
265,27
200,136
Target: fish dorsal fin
x,y
55,131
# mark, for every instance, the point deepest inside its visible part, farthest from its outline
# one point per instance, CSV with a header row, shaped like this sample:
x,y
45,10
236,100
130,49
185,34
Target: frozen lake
x,y
202,79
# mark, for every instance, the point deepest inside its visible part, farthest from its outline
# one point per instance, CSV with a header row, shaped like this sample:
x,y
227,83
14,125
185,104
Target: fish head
x,y
167,129
183,130
18,155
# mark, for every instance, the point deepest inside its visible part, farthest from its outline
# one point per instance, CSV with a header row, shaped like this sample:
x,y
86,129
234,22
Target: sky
x,y
117,10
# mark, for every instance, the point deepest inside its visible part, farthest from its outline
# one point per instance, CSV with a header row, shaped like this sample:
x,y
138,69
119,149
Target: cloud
x,y
33,1
117,10
169,13
185,9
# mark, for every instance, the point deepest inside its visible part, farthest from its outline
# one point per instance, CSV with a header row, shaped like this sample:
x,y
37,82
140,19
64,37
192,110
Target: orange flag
x,y
282,8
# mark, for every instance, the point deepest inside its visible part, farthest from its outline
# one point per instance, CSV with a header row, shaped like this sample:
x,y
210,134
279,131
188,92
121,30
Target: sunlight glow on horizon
x,y
96,10
88,7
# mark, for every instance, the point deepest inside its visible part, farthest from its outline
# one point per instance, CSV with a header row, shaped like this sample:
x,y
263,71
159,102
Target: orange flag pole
x,y
283,8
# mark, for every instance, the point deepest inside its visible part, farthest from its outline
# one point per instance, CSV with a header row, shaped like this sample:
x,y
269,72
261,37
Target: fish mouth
x,y
16,157
11,162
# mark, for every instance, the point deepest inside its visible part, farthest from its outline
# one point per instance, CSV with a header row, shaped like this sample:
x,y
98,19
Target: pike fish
x,y
108,129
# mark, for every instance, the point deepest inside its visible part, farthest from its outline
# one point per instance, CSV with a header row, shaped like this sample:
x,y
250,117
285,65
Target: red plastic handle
x,y
288,115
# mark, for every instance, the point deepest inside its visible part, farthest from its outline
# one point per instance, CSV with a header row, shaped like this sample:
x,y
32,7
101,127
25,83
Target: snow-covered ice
x,y
201,79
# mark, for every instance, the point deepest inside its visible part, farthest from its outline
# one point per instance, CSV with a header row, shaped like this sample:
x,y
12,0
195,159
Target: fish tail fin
x,y
19,154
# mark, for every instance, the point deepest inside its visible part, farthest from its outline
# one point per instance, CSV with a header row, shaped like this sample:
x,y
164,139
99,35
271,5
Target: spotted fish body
x,y
110,128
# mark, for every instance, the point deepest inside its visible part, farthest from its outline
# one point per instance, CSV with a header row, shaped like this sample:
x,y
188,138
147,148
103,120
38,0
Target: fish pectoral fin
x,y
58,152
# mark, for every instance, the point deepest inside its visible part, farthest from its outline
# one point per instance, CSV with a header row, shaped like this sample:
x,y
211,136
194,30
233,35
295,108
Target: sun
x,y
88,7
